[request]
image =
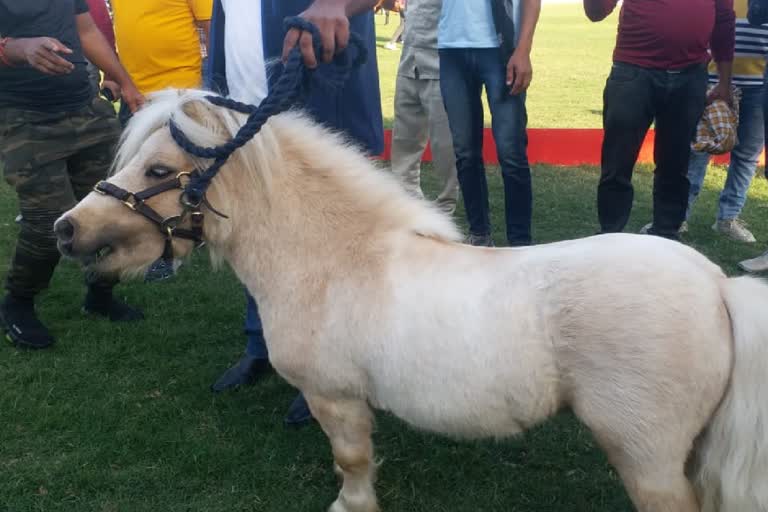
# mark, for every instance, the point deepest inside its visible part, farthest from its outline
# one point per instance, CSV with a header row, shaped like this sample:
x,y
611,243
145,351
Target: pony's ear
x,y
198,110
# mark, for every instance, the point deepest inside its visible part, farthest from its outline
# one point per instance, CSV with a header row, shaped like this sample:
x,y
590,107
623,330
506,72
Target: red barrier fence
x,y
556,146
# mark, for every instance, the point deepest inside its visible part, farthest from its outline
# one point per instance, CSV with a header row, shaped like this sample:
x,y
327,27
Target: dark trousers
x,y
52,160
463,73
634,97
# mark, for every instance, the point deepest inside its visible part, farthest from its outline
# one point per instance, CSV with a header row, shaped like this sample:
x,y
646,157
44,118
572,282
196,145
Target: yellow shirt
x,y
158,41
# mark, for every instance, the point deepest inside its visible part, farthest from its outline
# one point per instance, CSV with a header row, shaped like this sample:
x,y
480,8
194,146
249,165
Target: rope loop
x,y
291,88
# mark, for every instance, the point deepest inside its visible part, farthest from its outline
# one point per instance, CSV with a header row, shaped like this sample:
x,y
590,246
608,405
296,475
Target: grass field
x,y
571,60
120,418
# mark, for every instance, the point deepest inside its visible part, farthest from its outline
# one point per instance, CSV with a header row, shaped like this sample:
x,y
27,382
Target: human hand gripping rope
x,y
290,89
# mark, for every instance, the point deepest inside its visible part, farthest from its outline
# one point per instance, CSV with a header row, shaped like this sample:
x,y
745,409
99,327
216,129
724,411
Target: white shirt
x,y
244,51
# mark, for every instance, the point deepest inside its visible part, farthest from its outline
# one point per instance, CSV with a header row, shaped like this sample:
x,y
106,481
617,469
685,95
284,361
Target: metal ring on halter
x,y
186,203
171,223
184,174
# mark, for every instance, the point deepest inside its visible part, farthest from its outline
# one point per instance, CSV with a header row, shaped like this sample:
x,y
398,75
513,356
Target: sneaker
x,y
735,229
479,240
758,264
21,324
645,230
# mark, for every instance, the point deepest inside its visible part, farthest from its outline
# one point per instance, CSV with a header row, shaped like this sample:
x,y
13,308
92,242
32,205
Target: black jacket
x,y
757,13
505,26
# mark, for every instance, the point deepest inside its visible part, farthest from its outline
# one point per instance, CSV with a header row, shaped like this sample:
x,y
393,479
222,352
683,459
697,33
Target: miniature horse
x,y
369,301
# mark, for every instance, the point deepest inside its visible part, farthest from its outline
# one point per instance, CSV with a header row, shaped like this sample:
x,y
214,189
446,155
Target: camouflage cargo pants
x,y
52,160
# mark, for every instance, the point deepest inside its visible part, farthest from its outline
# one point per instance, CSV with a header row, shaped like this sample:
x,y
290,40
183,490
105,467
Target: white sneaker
x,y
735,229
683,228
759,264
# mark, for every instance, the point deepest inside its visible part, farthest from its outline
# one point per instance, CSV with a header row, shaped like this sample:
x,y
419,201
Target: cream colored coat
x,y
369,300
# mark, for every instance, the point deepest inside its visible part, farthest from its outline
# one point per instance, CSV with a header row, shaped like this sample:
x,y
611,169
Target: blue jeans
x,y
256,347
744,158
463,73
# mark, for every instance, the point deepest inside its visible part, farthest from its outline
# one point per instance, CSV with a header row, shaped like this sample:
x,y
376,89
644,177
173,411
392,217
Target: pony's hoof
x,y
340,506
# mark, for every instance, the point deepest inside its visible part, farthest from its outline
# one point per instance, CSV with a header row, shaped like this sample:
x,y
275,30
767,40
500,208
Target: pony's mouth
x,y
98,255
88,258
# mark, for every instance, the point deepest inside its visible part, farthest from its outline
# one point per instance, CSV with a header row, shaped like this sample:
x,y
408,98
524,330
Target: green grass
x,y
571,59
120,418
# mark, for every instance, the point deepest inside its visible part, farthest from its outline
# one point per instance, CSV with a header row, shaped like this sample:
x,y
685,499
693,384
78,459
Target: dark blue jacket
x,y
355,109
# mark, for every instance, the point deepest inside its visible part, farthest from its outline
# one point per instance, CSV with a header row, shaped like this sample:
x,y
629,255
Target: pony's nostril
x,y
64,229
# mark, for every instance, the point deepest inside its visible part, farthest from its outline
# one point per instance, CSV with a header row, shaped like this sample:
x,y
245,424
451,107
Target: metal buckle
x,y
130,202
97,189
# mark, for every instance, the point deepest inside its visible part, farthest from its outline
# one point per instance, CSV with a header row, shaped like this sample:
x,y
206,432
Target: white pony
x,y
369,301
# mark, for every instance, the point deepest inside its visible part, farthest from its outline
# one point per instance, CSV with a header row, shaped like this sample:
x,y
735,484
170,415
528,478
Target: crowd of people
x,y
60,59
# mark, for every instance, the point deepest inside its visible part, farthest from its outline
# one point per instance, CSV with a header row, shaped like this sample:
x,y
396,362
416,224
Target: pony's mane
x,y
318,149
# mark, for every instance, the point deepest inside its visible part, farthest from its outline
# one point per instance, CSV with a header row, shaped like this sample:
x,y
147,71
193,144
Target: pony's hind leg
x,y
659,489
348,425
651,465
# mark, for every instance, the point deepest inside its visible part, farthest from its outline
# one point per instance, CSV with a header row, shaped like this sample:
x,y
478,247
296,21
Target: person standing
x,y
159,42
56,142
472,56
245,35
397,36
748,75
659,75
419,111
757,15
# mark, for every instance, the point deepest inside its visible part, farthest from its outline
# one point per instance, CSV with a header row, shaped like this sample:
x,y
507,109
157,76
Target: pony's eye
x,y
158,172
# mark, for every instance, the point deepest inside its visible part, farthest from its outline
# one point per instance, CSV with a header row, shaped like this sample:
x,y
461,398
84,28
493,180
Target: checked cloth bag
x,y
716,131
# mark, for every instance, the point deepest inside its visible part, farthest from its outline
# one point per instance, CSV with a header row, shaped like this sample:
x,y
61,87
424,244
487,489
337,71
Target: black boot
x,y
23,328
100,301
298,413
246,371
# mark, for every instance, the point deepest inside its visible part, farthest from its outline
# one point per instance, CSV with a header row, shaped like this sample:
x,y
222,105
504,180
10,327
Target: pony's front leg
x,y
348,425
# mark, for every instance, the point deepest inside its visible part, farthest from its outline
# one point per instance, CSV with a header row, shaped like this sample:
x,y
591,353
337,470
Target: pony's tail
x,y
732,454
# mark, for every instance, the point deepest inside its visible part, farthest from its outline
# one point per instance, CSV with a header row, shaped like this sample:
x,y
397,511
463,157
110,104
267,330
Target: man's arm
x,y
519,68
331,19
598,10
97,51
205,26
722,45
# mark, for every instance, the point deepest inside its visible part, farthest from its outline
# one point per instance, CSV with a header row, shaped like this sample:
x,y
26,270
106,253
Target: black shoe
x,y
480,240
22,326
671,236
100,302
247,371
298,412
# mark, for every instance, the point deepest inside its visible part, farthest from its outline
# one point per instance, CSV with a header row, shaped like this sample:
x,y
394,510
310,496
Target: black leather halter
x,y
169,226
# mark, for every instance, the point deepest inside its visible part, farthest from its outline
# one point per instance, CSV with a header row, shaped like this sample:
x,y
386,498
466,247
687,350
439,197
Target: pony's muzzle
x,y
64,229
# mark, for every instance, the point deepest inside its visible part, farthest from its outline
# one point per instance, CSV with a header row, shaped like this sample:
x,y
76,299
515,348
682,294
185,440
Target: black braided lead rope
x,y
290,89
